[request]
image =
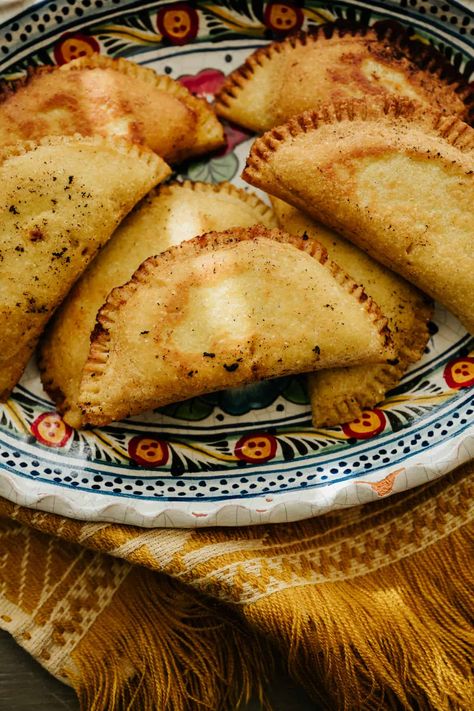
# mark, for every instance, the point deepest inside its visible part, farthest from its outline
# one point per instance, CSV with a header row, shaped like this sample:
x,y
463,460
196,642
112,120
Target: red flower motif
x,y
178,23
283,17
148,451
73,45
369,424
460,373
256,448
233,136
206,83
51,430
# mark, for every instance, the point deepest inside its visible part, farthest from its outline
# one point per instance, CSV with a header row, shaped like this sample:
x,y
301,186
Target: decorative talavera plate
x,y
250,455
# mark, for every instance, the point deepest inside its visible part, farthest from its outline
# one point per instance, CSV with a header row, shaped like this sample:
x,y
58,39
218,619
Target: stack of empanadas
x,y
220,310
197,290
352,163
394,179
341,394
165,218
64,191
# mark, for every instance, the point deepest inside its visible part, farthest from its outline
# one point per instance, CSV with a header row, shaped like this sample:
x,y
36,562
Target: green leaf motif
x,y
196,409
296,392
214,171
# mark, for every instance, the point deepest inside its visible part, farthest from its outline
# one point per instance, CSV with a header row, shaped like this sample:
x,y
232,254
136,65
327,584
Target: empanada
x,y
164,218
60,200
340,394
98,95
222,310
391,177
339,61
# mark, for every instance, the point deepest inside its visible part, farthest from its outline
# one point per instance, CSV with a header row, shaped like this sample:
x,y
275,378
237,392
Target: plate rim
x,y
456,450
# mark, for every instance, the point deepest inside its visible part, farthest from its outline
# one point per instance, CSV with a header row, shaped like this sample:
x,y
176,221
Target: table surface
x,y
26,686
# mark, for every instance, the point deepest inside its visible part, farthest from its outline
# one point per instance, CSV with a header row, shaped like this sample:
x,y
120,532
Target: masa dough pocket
x,y
222,310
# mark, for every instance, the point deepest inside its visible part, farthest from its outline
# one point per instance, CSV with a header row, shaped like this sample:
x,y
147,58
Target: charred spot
x,y
19,248
36,235
13,210
143,333
317,350
230,368
33,307
70,179
393,361
58,255
208,355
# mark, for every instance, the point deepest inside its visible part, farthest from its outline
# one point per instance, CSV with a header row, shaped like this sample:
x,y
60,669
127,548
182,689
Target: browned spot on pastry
x,y
36,235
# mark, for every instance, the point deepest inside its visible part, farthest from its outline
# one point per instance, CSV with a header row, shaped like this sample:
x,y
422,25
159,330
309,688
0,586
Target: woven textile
x,y
368,608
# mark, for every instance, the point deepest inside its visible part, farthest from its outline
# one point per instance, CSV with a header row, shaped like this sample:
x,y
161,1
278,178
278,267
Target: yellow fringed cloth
x,y
368,608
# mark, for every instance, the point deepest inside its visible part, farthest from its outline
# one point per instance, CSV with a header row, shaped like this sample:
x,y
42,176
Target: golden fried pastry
x,y
164,218
336,62
340,394
393,178
60,200
102,96
222,310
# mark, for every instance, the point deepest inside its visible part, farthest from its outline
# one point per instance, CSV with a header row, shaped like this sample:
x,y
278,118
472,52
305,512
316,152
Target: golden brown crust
x,y
328,163
153,226
435,81
456,132
49,233
374,381
193,128
96,367
338,395
130,69
264,212
8,88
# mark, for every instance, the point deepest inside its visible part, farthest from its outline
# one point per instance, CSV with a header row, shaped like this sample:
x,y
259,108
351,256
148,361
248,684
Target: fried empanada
x,y
164,218
60,201
98,95
222,310
339,395
339,61
391,177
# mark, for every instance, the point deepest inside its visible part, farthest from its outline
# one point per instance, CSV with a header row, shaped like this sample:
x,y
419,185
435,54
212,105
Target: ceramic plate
x,y
249,455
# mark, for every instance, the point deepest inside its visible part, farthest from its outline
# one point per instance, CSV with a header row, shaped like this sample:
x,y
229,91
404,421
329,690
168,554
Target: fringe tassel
x,y
158,646
399,638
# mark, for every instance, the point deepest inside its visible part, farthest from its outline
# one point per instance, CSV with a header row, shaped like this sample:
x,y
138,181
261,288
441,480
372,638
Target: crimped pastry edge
x,y
388,376
118,143
391,109
211,241
263,210
426,57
